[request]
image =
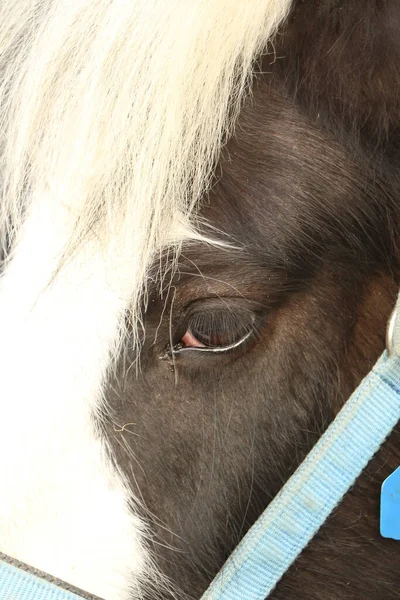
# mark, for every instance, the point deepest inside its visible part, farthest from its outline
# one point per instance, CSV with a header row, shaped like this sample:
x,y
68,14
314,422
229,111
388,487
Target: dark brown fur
x,y
308,191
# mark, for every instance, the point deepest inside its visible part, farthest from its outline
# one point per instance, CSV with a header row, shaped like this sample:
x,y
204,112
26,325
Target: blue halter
x,y
20,582
301,507
316,488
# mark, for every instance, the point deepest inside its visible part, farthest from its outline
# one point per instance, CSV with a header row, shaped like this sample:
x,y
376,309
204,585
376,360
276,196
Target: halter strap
x,y
316,488
20,582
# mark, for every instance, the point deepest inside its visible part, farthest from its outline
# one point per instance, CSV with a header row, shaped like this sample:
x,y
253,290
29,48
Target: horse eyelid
x,y
179,349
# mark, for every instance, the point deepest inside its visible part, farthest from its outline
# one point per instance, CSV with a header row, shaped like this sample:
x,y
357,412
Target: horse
x,y
200,255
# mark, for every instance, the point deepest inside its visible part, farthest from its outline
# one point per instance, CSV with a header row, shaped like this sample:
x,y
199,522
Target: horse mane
x,y
117,111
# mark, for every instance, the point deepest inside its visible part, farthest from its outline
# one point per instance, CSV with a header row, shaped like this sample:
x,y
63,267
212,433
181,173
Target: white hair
x,y
112,114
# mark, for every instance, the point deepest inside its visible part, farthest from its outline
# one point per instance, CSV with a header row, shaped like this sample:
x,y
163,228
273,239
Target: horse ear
x,y
343,58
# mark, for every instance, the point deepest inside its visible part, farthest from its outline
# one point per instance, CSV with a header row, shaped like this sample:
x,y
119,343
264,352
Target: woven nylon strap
x,y
306,501
20,582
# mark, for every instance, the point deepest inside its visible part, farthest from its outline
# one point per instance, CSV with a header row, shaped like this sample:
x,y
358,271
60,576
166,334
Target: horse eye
x,y
216,331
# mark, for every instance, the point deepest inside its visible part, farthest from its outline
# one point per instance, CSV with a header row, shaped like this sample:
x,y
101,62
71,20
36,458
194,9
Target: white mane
x,y
112,116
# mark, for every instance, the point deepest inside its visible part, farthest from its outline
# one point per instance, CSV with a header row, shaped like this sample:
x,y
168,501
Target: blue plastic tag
x,y
390,506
